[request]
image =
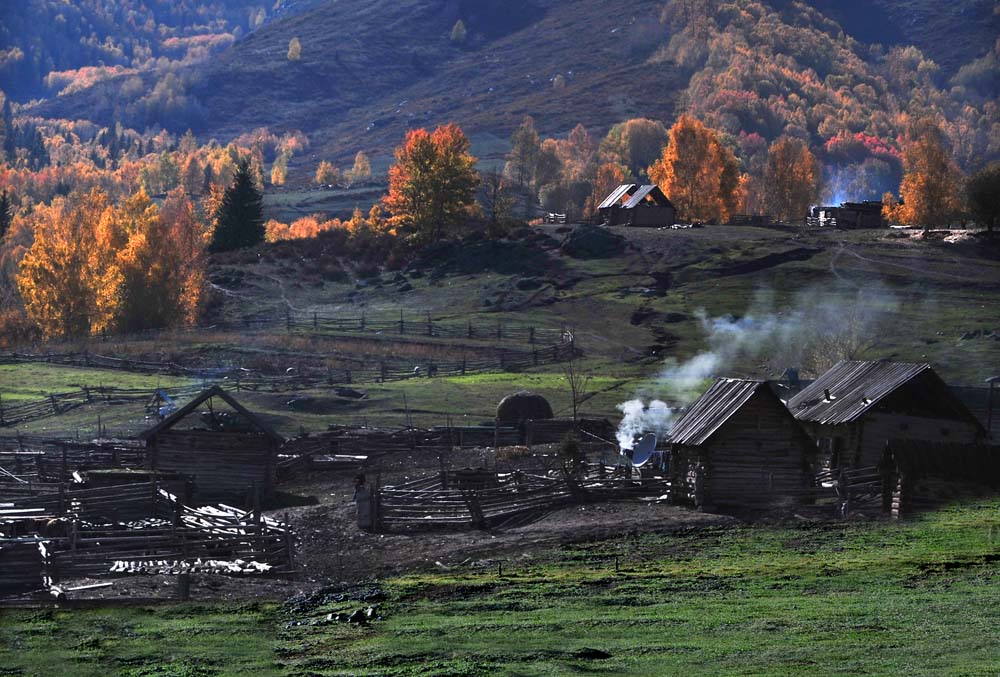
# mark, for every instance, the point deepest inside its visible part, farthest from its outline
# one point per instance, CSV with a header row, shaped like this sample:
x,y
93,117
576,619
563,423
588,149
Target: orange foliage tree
x,y
791,179
94,266
931,190
609,176
432,185
698,173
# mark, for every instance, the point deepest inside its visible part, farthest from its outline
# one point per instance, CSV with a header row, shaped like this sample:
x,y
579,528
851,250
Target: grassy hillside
x,y
658,303
919,598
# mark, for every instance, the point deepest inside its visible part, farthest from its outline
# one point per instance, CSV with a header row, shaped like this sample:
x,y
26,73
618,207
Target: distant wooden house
x,y
230,456
849,215
855,408
631,204
738,445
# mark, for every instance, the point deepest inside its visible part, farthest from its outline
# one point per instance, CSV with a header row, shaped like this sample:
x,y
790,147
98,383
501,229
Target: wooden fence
x,y
445,500
170,538
384,371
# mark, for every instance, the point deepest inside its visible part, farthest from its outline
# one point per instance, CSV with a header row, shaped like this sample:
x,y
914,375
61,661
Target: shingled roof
x,y
851,388
712,409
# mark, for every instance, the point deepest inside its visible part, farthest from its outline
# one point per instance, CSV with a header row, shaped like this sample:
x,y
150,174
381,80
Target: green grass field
x,y
919,597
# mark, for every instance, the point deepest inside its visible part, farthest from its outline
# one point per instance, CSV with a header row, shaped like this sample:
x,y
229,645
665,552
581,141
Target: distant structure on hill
x,y
631,204
867,214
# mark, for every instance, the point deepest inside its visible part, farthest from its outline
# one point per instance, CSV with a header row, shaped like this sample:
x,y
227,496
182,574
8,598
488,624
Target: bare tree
x,y
578,380
497,196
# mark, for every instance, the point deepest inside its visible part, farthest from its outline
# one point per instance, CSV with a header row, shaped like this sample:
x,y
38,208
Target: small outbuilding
x,y
738,446
227,454
632,204
855,408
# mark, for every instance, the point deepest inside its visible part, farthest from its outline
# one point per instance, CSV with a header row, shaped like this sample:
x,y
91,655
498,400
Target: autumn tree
x,y
791,179
361,171
497,196
294,49
192,175
279,170
433,182
6,212
458,33
58,275
525,151
983,194
609,176
327,174
932,183
239,218
634,144
698,174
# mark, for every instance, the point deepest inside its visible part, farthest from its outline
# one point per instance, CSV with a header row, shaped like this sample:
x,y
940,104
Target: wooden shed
x,y
230,455
856,407
738,445
631,204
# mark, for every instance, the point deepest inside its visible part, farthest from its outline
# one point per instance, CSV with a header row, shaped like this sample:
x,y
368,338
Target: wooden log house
x,y
855,408
224,464
738,446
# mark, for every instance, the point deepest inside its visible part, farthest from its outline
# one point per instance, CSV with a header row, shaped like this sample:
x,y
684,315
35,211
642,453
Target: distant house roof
x,y
714,408
653,192
851,388
617,194
637,194
214,391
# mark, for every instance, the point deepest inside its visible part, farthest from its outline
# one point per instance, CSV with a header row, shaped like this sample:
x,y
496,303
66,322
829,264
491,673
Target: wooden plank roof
x,y
651,191
214,391
850,388
710,411
617,194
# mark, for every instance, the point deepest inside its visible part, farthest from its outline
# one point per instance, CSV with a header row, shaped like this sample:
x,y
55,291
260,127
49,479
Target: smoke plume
x,y
820,327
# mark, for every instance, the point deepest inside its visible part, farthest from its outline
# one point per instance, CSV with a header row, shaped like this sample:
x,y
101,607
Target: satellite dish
x,y
644,449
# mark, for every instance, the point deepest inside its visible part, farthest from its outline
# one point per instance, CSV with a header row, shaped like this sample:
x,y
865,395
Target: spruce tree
x,y
239,220
6,212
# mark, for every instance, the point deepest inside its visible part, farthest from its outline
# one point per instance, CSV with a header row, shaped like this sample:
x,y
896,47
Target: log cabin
x,y
855,408
738,446
631,204
229,457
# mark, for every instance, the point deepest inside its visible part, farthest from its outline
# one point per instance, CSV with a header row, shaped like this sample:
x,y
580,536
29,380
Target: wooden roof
x,y
850,389
717,405
214,391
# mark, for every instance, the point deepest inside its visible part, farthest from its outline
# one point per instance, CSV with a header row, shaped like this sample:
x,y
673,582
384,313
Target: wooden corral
x,y
223,464
738,445
855,408
553,430
918,474
497,500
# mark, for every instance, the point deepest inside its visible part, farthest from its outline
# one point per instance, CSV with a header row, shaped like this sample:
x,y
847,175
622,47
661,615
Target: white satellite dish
x,y
644,449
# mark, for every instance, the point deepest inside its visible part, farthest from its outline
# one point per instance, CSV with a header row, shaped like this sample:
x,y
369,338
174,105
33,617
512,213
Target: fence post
x,y
470,329
499,329
430,324
531,335
362,320
402,326
534,357
288,320
463,366
348,376
315,320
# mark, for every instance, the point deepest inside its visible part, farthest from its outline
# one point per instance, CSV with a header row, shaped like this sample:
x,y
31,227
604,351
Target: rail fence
x,y
238,379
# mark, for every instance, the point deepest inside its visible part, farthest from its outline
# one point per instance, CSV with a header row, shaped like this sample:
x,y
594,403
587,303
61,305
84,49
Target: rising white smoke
x,y
821,326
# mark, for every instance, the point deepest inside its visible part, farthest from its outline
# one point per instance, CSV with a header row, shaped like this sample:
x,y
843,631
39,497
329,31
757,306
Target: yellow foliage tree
x,y
609,176
698,174
56,277
791,179
94,266
931,189
327,174
294,49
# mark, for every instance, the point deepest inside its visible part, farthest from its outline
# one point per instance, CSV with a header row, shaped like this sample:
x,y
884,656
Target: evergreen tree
x,y
8,150
6,212
239,219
